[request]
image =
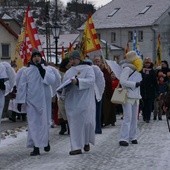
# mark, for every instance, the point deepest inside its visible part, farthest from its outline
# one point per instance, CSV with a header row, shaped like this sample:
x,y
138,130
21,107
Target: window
x,y
113,37
140,36
130,36
114,12
5,50
145,9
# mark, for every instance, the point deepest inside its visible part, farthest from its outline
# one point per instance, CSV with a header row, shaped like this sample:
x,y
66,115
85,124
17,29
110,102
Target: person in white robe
x,y
54,91
34,89
99,90
80,104
12,103
7,79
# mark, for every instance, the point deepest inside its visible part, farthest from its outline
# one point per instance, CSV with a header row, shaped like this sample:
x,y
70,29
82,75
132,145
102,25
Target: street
x,y
152,152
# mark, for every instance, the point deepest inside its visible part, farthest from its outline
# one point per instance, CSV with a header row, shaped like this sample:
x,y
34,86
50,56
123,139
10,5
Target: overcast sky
x,y
97,3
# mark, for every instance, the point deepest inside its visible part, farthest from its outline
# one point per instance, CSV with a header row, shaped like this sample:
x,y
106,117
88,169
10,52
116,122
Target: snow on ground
x,y
152,152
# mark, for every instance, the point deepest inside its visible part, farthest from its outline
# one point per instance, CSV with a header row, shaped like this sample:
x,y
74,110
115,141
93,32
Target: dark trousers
x,y
98,117
147,109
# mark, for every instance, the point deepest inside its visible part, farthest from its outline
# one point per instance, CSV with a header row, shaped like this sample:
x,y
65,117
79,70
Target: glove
x,y
138,84
2,85
19,107
41,70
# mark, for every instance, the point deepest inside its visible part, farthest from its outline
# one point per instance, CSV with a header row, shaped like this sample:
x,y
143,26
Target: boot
x,y
63,128
23,117
68,129
47,148
75,152
35,152
86,148
13,116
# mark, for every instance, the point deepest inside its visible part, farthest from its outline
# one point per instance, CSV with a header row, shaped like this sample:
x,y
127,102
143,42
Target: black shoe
x,y
24,118
86,148
134,141
13,116
47,148
35,152
160,118
98,132
154,118
12,119
63,128
147,121
123,143
75,152
113,124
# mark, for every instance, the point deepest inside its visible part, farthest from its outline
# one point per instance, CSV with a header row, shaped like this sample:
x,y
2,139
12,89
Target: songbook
x,y
65,84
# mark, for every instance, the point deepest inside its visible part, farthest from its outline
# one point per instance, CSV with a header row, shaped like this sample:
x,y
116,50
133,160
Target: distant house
x,y
64,41
8,41
116,21
11,22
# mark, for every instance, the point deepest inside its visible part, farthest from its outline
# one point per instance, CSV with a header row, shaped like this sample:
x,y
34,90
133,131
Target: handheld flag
x,y
135,44
90,41
158,51
63,53
127,49
28,39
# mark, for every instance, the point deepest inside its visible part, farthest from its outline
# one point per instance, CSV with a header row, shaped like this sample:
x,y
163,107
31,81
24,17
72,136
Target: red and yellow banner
x,y
90,41
28,40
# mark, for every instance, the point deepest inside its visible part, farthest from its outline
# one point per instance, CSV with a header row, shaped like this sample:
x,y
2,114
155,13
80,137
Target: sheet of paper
x,y
66,83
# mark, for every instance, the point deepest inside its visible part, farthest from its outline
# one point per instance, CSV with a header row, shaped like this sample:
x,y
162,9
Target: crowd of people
x,y
77,96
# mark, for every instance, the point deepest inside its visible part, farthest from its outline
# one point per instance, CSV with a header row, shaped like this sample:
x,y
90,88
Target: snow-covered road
x,y
152,152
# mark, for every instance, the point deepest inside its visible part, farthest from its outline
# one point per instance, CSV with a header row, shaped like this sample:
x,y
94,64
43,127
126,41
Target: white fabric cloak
x,y
80,106
35,91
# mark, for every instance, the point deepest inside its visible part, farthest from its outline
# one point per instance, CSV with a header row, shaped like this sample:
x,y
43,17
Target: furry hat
x,y
75,54
131,56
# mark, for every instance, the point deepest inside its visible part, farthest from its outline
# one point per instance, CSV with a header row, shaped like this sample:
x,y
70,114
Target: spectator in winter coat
x,y
162,89
130,79
148,88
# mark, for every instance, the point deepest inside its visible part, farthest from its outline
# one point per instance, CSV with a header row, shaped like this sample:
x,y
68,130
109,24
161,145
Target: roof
x,y
6,17
126,13
9,29
63,41
112,47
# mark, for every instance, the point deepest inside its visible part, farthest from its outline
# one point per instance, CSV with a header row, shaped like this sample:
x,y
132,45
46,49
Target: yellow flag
x,y
158,52
90,41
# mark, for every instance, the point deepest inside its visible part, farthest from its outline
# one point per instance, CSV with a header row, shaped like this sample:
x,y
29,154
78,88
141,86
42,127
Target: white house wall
x,y
164,30
7,38
146,47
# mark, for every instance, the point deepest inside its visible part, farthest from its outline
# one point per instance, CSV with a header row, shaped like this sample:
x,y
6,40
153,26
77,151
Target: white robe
x,y
35,91
7,73
80,106
99,82
3,75
12,103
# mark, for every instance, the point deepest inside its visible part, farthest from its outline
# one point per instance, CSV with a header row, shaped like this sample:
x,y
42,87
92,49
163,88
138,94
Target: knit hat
x,y
75,54
147,60
131,56
35,52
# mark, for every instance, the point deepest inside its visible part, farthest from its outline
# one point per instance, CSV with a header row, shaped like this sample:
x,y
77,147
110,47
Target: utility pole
x,y
48,44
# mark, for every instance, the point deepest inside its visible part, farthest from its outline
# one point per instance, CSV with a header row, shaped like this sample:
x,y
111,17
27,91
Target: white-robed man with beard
x,y
34,89
80,104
